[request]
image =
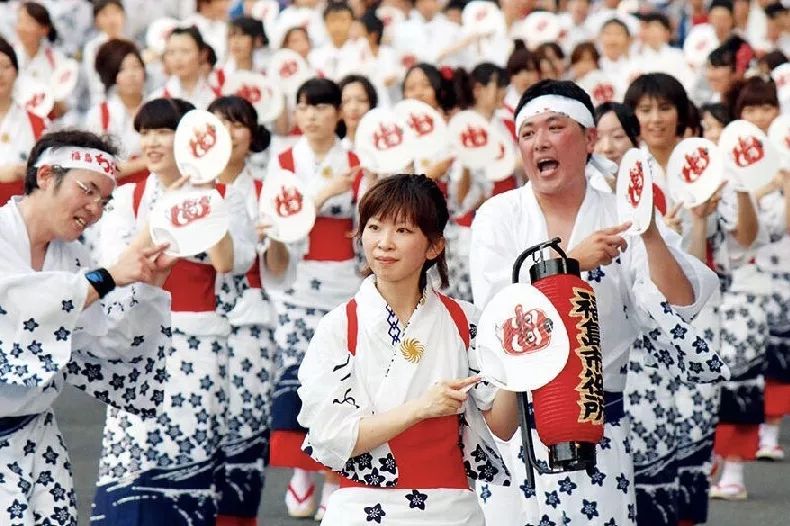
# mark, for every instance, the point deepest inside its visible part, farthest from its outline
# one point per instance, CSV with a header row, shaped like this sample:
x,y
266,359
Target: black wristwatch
x,y
101,280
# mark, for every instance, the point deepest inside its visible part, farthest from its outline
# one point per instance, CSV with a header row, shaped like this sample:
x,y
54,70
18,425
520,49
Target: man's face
x,y
554,149
76,202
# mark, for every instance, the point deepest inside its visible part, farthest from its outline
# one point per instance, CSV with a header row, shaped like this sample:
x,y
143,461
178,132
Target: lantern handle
x,y
552,243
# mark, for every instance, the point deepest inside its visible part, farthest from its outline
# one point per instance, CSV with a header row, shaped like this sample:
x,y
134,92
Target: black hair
x,y
625,115
450,86
455,4
194,33
158,114
60,139
520,60
694,122
563,88
373,24
655,16
718,111
319,91
290,31
486,72
251,27
729,54
238,109
660,86
8,50
616,22
774,59
726,4
109,58
40,14
370,90
412,197
99,5
774,10
338,6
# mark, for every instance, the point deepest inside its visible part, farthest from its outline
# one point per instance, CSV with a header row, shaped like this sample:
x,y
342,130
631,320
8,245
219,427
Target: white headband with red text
x,y
81,158
567,106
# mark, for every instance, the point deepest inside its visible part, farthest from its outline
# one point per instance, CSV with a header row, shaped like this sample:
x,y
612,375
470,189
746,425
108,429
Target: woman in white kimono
x,y
673,422
121,70
61,321
388,385
241,298
747,296
19,128
322,273
652,287
156,472
185,58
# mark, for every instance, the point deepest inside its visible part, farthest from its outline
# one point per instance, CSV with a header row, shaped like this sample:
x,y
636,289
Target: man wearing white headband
x,y
651,286
63,320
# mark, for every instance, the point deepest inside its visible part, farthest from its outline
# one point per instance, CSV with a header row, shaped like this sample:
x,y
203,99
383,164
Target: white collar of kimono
x,y
90,159
567,106
572,109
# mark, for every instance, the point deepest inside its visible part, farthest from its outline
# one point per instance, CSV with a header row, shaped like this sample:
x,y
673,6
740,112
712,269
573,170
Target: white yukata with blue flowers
x,y
170,470
629,305
249,375
341,385
114,351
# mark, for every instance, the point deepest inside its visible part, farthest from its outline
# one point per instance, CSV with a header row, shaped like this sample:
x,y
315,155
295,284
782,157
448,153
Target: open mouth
x,y
547,166
80,222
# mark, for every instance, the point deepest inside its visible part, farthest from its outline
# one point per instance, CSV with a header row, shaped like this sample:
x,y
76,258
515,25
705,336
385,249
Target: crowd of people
x,y
349,356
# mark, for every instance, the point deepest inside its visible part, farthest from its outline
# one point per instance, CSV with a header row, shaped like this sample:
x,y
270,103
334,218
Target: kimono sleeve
x,y
39,312
117,228
669,337
333,398
122,363
241,230
490,260
483,393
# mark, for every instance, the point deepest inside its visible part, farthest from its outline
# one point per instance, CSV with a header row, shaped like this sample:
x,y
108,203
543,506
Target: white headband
x,y
81,158
567,106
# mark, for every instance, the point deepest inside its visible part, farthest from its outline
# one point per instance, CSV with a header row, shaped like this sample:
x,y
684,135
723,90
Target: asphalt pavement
x,y
81,419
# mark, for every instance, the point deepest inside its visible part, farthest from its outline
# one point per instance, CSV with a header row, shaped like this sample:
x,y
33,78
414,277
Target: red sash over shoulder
x,y
428,454
254,274
8,190
331,237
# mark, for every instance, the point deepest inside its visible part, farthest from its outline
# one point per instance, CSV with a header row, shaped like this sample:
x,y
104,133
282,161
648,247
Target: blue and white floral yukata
x,y
249,375
168,471
321,275
113,350
629,305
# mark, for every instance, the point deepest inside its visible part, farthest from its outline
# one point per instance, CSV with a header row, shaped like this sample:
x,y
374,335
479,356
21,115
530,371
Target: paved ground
x,y
81,419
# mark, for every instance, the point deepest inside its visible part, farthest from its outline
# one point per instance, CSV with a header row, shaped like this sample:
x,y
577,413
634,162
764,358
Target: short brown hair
x,y
754,91
416,198
109,58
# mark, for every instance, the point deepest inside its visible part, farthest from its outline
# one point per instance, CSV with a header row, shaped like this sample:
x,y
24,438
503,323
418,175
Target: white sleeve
x,y
241,230
489,261
118,227
668,335
333,399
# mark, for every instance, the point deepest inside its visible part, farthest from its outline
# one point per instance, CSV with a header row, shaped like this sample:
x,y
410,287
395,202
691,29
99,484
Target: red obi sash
x,y
191,287
330,240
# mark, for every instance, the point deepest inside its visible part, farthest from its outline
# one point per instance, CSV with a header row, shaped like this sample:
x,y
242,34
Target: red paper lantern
x,y
569,409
